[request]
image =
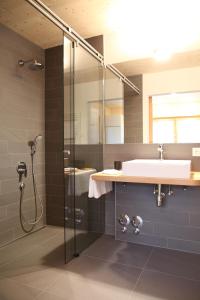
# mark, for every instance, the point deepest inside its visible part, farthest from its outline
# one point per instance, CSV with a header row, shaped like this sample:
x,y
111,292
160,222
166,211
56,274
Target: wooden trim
x,y
194,179
177,117
150,121
173,118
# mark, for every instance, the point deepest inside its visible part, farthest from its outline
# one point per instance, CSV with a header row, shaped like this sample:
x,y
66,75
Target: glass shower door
x,y
69,188
83,149
88,146
113,108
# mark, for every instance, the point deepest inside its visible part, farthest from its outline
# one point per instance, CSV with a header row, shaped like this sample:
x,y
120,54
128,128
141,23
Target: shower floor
x,y
33,269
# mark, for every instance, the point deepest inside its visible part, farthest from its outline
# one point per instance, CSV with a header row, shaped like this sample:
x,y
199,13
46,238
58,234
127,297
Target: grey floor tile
x,y
21,266
88,277
49,253
29,243
104,271
41,278
39,258
155,285
108,269
13,251
175,262
10,290
77,287
109,249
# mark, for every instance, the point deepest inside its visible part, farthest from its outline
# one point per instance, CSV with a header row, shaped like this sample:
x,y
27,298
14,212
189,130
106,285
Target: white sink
x,y
157,168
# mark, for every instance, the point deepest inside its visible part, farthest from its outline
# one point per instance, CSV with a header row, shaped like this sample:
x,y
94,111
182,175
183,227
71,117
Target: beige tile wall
x,y
21,119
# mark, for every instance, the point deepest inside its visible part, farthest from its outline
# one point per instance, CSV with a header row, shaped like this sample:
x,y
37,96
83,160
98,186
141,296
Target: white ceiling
x,y
133,29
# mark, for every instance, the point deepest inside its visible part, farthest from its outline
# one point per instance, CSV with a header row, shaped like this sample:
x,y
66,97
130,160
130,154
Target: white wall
x,y
174,81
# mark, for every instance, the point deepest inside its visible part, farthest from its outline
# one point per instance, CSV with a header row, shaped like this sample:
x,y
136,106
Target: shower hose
x,y
37,219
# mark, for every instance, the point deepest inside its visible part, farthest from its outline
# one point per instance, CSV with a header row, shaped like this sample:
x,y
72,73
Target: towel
x,y
111,172
98,188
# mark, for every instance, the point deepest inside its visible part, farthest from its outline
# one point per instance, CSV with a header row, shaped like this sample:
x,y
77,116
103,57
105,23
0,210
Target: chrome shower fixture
x,y
137,223
22,171
33,143
34,64
160,151
124,220
160,196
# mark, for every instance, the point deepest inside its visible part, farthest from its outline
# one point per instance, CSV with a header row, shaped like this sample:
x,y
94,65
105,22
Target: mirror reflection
x,y
171,106
114,121
174,118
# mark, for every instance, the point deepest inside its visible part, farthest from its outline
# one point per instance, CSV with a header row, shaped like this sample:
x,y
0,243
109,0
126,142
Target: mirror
x,y
174,118
127,116
166,111
114,121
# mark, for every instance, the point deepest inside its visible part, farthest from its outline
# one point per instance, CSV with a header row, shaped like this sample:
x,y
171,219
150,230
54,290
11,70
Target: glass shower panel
x,y
69,149
88,155
113,109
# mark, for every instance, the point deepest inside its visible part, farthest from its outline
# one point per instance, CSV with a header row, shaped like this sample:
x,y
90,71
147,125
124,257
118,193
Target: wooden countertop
x,y
194,180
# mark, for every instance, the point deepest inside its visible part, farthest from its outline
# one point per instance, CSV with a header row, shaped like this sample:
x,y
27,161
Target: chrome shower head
x,y
34,64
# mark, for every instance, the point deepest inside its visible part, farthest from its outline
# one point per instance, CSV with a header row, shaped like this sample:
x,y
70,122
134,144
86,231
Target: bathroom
x,y
79,94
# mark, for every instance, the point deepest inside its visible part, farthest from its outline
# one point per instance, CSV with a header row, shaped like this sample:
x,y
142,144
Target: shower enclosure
x,y
55,85
83,146
92,117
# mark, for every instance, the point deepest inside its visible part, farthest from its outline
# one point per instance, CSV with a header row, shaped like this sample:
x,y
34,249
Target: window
x,y
175,118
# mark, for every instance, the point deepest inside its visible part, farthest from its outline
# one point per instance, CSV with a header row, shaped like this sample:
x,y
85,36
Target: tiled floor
x,y
108,269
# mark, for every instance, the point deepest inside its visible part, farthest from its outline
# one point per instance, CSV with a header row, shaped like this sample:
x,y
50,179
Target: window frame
x,y
174,119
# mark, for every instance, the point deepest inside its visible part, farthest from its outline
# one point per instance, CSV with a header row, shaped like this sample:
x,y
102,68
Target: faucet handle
x,y
124,220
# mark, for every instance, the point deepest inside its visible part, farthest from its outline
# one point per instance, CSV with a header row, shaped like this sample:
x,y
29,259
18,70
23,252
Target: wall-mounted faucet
x,y
161,150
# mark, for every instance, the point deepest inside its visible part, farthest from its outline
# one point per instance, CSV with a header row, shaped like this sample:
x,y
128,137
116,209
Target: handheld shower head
x,y
33,143
37,138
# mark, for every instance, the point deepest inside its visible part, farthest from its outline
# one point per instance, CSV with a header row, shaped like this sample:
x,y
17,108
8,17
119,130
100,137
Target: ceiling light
x,y
144,25
162,54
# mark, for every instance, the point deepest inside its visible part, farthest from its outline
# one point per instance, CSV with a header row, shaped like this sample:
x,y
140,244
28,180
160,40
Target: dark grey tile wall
x,y
54,120
89,156
84,155
176,224
133,115
21,119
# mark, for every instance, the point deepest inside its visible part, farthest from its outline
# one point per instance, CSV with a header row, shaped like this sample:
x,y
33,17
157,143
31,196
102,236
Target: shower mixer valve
x,y
21,170
124,220
137,223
